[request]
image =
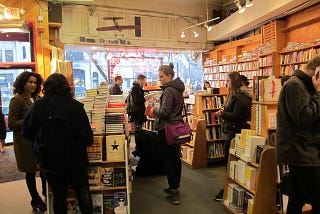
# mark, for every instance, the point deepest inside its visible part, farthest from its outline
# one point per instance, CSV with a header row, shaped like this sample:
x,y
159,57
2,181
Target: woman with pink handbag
x,y
170,111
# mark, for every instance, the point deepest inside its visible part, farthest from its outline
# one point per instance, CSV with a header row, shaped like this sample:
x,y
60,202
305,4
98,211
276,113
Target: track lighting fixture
x,y
241,9
209,28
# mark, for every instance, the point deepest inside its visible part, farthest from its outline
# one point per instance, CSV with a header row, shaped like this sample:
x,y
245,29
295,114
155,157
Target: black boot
x,y
38,205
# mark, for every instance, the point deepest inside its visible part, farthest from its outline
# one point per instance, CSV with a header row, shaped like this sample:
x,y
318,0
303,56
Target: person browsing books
x,y
116,88
26,89
298,138
61,131
235,115
139,100
170,111
206,85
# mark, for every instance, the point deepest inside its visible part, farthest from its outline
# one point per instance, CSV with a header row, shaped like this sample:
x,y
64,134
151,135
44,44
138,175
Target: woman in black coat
x,y
236,113
3,131
61,131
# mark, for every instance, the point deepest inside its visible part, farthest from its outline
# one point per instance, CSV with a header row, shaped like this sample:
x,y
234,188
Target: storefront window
x,y
92,66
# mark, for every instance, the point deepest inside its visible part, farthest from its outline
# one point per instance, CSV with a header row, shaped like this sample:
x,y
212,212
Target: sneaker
x,y
173,199
171,191
219,196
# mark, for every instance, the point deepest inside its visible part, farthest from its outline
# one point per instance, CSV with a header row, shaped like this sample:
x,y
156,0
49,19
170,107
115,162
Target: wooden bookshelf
x,y
198,148
264,200
263,118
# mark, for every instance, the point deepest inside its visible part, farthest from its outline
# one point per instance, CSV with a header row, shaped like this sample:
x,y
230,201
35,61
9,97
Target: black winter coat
x,y
115,90
171,104
139,101
298,122
64,153
237,114
3,131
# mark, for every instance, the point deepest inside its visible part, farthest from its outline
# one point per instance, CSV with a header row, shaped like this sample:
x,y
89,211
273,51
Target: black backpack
x,y
131,108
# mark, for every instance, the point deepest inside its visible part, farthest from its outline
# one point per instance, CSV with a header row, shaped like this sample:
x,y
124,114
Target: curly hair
x,y
56,84
22,79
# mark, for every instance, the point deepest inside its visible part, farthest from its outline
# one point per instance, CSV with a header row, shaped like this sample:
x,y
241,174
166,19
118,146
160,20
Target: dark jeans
x,y
78,179
304,188
171,160
32,186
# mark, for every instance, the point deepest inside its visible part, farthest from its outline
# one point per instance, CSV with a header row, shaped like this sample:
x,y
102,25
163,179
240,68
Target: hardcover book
x,y
71,205
94,176
115,147
95,151
97,203
108,206
119,176
106,177
120,203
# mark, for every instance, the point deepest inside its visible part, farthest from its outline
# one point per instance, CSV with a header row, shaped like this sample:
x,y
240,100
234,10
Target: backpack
x,y
131,108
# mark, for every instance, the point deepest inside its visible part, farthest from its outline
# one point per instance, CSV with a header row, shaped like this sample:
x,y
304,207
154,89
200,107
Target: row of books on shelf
x,y
108,148
150,124
297,56
212,118
213,102
187,153
213,133
106,177
244,174
215,150
115,203
238,199
288,69
247,145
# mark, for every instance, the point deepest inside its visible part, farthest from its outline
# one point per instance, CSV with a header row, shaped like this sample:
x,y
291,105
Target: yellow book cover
x,y
115,147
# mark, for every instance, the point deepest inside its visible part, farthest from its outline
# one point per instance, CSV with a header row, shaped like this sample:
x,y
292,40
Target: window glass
x,y
92,66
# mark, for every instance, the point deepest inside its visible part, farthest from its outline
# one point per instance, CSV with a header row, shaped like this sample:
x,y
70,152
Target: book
x,y
119,176
95,150
106,177
97,203
108,204
120,203
94,176
115,147
71,204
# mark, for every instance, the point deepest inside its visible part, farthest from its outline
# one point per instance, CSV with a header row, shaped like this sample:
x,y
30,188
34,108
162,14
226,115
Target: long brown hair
x,y
235,81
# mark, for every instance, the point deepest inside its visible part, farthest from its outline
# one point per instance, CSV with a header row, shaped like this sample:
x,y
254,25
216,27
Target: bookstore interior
x,y
263,42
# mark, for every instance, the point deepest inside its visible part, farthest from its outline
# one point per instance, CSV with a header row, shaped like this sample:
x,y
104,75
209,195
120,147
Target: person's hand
x,y
218,113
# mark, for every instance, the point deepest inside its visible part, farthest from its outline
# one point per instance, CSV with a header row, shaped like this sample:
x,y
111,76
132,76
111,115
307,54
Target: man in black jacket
x,y
298,138
116,88
137,92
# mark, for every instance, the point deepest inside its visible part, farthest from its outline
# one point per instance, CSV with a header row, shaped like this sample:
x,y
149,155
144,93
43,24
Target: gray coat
x,y
18,108
171,104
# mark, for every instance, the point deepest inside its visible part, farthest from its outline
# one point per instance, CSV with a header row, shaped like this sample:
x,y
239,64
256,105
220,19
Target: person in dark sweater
x,y
236,114
170,111
139,100
116,88
61,132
